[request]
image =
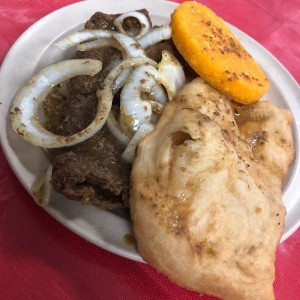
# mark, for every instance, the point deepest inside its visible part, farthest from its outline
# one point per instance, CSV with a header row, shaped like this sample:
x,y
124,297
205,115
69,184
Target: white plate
x,y
33,50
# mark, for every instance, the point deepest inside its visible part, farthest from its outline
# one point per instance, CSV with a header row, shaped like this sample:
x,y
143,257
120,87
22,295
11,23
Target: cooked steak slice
x,y
93,171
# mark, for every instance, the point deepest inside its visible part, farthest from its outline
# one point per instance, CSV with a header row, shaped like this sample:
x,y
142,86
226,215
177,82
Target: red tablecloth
x,y
40,259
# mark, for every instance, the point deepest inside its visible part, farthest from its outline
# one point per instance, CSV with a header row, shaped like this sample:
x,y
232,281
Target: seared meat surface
x,y
93,171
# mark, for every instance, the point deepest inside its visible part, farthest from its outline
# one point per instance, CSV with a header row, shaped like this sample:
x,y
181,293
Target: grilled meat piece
x,y
93,171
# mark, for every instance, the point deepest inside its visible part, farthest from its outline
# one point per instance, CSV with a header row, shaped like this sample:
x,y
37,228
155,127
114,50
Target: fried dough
x,y
205,193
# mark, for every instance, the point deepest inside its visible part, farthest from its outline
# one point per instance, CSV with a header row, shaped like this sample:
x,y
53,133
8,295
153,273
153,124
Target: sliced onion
x,y
144,23
113,63
129,153
154,36
98,43
127,63
82,36
116,130
41,188
24,111
171,74
107,91
159,94
130,45
120,80
124,43
134,110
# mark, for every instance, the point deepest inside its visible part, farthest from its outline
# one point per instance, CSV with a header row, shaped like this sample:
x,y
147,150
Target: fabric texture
x,y
41,259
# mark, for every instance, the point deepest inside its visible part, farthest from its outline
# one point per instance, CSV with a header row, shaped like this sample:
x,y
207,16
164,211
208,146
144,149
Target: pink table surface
x,y
41,259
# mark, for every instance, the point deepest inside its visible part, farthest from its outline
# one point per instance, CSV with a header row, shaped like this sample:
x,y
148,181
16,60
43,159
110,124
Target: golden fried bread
x,y
206,206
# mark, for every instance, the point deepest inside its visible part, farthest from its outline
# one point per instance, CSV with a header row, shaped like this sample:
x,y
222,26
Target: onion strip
x,y
135,111
82,36
155,36
144,23
107,91
129,152
130,45
171,72
98,43
116,129
159,94
121,80
24,110
41,188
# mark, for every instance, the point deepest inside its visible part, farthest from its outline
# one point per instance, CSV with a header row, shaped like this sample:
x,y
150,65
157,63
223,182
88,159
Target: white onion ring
x,y
159,94
113,63
120,80
144,22
98,43
107,91
130,45
41,188
143,79
82,36
154,36
171,72
134,111
127,45
116,129
25,105
129,153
